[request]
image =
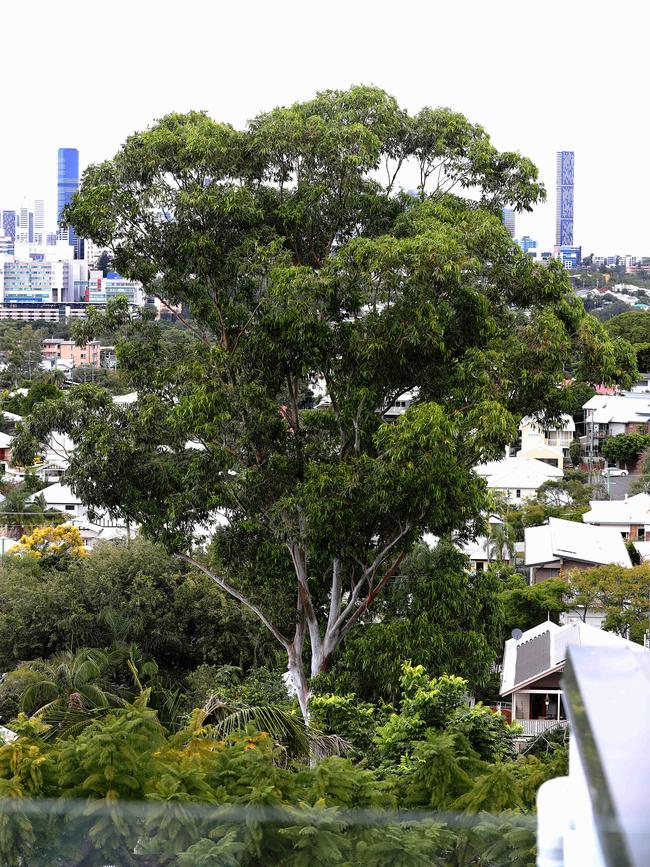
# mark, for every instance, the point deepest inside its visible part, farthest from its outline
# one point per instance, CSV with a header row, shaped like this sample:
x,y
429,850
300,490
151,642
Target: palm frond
x,y
279,723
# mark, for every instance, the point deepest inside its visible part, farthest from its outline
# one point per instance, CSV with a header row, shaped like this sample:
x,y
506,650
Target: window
x,y
69,507
624,534
640,533
518,493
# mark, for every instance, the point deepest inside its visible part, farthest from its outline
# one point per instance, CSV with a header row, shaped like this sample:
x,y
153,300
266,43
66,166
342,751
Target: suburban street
x,y
619,486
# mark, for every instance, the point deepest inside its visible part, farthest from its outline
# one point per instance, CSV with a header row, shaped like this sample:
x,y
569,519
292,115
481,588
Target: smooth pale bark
x,y
344,610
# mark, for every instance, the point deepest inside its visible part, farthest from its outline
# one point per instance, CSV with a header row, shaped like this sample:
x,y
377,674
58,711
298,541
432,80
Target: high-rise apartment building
x,y
564,199
508,217
9,224
22,230
39,221
67,184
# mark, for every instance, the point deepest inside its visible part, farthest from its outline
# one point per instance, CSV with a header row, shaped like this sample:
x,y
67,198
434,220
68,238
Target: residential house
x,y
65,354
561,545
533,665
101,530
610,415
547,444
517,479
630,516
5,451
61,498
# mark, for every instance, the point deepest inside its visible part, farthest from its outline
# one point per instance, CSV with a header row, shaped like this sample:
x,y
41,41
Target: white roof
x,y
517,472
561,638
5,441
126,398
11,416
618,408
482,548
572,541
644,550
633,510
566,423
55,494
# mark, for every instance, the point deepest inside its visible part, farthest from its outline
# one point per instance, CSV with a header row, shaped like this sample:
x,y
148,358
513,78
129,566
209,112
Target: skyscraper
x,y
8,224
67,184
564,199
508,217
39,221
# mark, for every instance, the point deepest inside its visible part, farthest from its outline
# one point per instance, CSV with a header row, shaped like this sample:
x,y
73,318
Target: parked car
x,y
613,471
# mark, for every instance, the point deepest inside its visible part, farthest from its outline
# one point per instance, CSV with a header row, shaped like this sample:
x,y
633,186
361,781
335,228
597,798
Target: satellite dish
x,y
516,634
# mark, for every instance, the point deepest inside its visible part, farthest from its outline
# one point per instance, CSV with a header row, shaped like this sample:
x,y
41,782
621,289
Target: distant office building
x,y
508,217
39,221
9,224
6,245
102,289
564,201
528,245
570,257
66,186
23,227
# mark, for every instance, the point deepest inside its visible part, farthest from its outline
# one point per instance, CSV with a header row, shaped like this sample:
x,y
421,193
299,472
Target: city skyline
x,y
558,99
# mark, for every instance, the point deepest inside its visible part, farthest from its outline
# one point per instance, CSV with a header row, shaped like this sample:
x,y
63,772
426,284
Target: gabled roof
x,y
633,510
560,539
55,494
542,651
517,472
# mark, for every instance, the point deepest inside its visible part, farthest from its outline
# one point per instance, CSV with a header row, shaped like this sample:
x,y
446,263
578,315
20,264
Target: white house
x,y
607,415
561,545
544,443
518,479
533,664
101,530
61,498
630,517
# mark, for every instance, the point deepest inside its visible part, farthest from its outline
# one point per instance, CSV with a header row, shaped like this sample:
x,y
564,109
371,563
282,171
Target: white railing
x,y
534,727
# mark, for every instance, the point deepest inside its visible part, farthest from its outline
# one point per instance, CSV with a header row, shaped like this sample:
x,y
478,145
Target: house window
x,y
69,507
479,566
640,533
624,534
518,493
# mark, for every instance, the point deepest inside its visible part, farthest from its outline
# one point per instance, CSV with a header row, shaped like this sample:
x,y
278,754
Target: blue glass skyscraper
x,y
564,202
67,183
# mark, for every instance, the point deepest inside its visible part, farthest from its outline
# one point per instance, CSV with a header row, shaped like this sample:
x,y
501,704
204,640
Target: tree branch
x,y
236,594
372,595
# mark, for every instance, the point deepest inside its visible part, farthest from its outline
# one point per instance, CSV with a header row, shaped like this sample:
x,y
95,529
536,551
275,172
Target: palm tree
x,y
502,537
69,682
217,719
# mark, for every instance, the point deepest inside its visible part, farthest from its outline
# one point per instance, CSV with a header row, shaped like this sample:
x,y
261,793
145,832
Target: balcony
x,y
533,727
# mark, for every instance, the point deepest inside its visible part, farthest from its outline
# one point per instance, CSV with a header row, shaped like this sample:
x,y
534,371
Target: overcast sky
x,y
540,76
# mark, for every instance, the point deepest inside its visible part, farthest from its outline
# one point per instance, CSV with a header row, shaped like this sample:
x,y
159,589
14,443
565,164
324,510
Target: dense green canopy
x,y
298,265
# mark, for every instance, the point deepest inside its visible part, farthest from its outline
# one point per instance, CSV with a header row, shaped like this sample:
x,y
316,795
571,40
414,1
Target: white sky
x,y
541,76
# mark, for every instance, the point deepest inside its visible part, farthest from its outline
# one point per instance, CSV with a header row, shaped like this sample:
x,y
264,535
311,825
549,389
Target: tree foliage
x,y
121,594
228,796
624,447
299,266
622,594
50,544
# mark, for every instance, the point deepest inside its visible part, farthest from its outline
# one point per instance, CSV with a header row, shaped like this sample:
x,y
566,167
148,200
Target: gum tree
x,y
298,266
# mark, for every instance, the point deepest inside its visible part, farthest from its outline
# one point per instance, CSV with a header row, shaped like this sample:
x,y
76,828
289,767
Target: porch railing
x,y
534,727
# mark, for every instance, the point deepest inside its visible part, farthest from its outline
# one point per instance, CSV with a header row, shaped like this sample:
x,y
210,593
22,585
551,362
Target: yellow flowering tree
x,y
50,541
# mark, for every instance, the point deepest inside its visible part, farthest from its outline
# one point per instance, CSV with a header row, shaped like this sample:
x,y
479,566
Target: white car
x,y
613,471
